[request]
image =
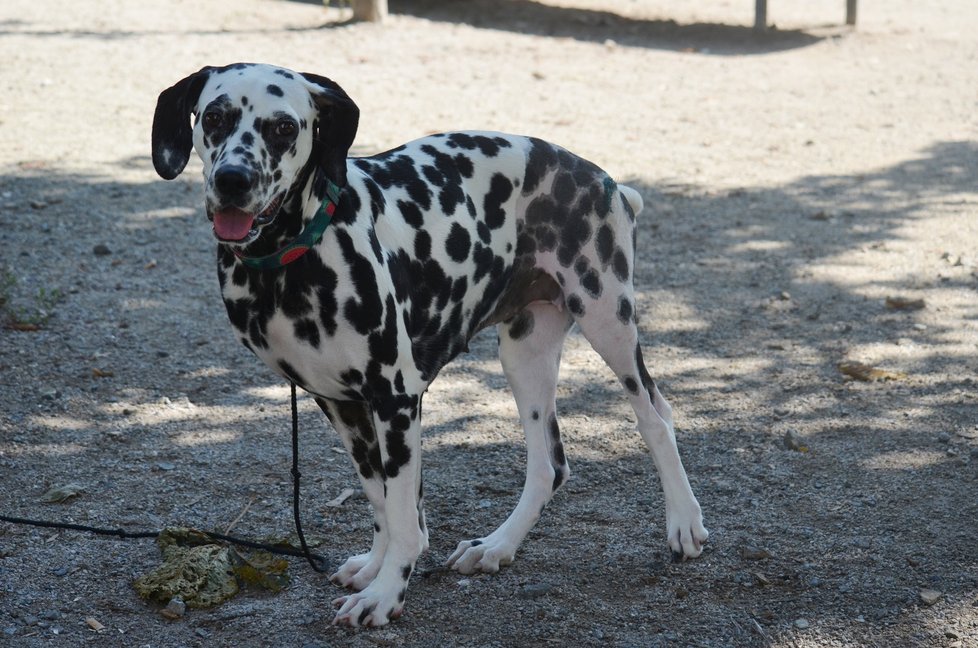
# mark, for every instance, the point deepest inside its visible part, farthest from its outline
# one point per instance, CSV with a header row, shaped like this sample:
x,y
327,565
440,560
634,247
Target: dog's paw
x,y
686,533
482,555
373,607
357,572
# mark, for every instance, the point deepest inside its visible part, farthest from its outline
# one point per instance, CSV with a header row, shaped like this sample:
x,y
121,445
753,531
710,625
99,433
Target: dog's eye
x,y
285,128
212,119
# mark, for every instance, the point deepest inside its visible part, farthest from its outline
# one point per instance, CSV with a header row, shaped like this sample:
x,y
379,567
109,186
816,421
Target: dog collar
x,y
308,237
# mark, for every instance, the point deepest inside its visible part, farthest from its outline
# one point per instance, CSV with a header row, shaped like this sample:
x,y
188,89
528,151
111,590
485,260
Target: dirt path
x,y
793,183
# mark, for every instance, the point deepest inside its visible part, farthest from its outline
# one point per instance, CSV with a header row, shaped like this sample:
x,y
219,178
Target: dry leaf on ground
x,y
868,373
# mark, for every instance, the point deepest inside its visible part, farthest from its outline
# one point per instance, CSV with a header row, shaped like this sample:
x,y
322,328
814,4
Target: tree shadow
x,y
874,504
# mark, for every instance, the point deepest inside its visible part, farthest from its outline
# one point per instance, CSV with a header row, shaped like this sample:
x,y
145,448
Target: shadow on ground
x,y
540,19
844,533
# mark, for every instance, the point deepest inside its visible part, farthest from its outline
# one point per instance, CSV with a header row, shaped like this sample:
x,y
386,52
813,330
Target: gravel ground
x,y
793,184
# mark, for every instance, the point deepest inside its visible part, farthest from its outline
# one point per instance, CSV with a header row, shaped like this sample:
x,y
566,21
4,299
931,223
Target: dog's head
x,y
260,132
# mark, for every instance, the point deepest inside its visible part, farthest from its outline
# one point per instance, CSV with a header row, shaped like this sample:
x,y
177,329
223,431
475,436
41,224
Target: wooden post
x,y
760,15
850,12
369,10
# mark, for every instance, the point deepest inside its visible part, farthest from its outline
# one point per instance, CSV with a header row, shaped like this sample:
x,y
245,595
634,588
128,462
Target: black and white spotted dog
x,y
359,279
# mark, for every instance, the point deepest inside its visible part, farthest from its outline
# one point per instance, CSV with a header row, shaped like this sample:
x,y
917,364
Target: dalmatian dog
x,y
360,278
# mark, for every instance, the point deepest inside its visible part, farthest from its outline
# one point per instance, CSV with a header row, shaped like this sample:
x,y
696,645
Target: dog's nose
x,y
232,181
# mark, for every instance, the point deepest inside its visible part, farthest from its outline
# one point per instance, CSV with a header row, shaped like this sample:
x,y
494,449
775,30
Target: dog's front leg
x,y
354,423
398,427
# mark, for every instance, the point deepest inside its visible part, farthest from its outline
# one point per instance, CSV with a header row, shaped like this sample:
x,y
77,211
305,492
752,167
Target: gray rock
x,y
930,597
175,609
535,590
792,442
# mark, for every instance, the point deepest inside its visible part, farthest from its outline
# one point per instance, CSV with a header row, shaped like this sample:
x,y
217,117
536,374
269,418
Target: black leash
x,y
317,562
322,565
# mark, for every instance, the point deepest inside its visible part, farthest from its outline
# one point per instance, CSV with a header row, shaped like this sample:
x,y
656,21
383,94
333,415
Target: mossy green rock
x,y
201,575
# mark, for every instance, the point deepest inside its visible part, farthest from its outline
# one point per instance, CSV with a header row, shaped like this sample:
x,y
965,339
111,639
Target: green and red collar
x,y
308,237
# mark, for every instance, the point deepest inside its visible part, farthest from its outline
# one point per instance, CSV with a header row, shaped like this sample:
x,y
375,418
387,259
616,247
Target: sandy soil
x,y
793,183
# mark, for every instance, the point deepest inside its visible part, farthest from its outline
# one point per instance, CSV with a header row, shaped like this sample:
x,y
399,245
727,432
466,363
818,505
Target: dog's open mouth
x,y
235,225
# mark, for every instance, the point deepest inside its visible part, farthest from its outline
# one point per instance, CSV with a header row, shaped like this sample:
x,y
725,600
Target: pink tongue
x,y
233,224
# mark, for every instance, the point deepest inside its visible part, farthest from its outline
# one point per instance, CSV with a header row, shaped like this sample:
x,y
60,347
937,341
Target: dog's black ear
x,y
173,135
338,119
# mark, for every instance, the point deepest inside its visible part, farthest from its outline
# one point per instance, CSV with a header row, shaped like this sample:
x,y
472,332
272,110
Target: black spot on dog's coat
x,y
619,265
500,189
291,373
575,305
625,310
591,283
363,311
522,325
605,244
306,329
631,385
458,243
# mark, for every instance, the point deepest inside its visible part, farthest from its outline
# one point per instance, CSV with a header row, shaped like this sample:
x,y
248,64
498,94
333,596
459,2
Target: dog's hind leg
x,y
602,300
529,349
354,424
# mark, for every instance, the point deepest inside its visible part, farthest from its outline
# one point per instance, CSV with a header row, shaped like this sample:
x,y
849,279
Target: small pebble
x,y
792,442
101,250
535,591
754,553
802,624
930,597
743,578
175,609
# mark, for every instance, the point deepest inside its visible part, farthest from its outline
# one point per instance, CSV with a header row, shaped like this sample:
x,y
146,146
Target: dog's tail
x,y
633,197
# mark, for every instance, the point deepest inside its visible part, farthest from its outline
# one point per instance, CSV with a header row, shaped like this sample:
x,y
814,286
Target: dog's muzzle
x,y
236,221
